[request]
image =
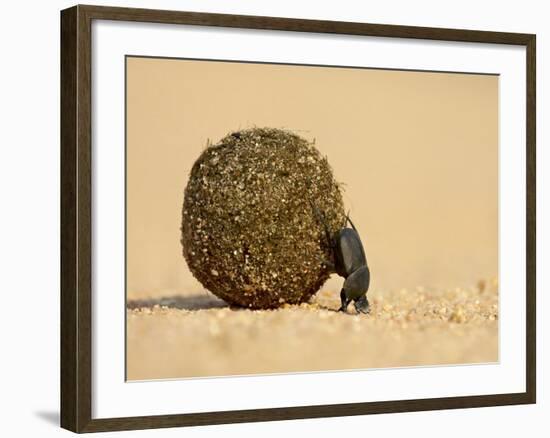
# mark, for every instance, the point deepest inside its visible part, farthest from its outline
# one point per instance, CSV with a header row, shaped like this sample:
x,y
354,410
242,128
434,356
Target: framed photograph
x,y
272,218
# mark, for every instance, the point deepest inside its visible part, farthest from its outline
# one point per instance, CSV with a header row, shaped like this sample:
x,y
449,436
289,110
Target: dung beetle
x,y
350,263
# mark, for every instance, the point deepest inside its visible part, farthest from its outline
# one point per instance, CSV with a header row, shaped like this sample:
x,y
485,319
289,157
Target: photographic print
x,y
302,218
306,218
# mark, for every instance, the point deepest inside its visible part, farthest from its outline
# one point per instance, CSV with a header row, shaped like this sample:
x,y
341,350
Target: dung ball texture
x,y
254,215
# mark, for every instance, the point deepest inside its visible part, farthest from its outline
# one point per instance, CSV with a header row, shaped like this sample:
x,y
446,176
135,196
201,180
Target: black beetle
x,y
350,262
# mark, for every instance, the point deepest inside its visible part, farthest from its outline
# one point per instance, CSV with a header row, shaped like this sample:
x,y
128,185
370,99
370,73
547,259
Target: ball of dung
x,y
256,212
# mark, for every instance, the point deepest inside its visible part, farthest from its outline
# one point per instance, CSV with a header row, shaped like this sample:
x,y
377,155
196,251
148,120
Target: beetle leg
x,y
351,223
329,238
320,217
362,304
345,302
330,266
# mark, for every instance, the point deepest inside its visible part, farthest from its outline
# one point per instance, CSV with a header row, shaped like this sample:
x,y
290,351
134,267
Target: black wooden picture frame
x,y
76,218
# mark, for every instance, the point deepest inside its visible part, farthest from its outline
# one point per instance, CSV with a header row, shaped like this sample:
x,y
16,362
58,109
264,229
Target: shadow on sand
x,y
185,302
195,302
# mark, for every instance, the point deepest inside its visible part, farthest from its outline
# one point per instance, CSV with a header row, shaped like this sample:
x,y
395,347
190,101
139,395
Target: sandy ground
x,y
198,335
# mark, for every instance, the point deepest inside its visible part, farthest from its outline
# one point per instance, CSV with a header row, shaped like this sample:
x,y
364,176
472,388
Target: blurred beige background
x,y
417,152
